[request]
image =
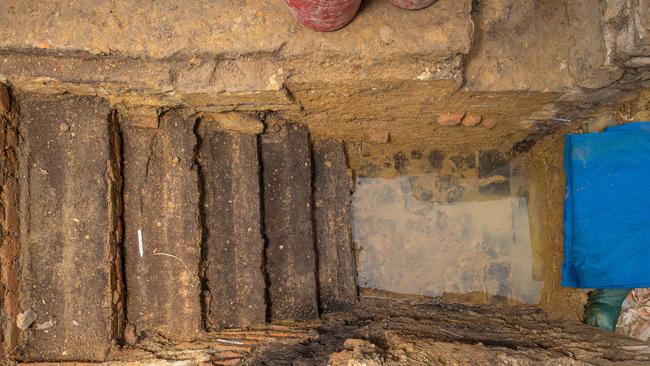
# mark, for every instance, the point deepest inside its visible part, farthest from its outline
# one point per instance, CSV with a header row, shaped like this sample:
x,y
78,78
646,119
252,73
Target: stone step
x,y
162,227
68,228
180,203
337,283
290,253
232,238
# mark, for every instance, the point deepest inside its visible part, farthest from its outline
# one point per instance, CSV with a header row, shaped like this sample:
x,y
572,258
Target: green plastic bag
x,y
604,307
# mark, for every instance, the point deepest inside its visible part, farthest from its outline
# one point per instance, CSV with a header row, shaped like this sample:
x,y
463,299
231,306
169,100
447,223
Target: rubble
x,y
26,319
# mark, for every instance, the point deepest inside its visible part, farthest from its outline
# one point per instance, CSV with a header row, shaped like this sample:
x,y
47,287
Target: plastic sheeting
x,y
607,208
604,307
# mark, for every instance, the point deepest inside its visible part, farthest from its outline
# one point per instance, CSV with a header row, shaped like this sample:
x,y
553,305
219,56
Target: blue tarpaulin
x,y
607,208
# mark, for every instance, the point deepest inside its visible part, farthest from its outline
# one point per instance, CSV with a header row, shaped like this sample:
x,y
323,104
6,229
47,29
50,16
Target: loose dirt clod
x,y
45,325
26,319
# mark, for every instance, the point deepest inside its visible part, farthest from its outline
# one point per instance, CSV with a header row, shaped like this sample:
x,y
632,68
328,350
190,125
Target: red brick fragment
x,y
489,124
450,119
471,120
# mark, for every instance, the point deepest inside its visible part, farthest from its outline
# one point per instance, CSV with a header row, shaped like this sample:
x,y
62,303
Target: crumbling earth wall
x,y
448,91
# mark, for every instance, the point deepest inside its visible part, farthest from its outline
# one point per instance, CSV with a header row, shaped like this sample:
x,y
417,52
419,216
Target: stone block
x,y
162,234
290,254
337,276
232,239
68,226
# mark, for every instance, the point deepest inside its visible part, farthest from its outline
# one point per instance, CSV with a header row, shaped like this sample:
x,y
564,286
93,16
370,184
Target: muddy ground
x,y
423,331
389,329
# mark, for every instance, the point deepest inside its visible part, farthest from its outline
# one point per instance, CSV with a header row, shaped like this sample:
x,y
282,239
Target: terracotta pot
x,y
324,15
412,4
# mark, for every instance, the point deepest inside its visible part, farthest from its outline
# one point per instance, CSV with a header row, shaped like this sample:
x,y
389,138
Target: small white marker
x,y
140,243
228,341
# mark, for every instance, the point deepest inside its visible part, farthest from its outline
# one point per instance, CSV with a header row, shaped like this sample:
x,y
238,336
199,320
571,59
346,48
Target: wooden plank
x,y
290,253
161,202
233,244
68,226
337,276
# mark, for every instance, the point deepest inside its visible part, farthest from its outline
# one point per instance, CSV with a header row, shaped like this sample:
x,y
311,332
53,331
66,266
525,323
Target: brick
x,y
471,120
67,239
336,271
290,254
450,119
161,199
489,123
233,244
